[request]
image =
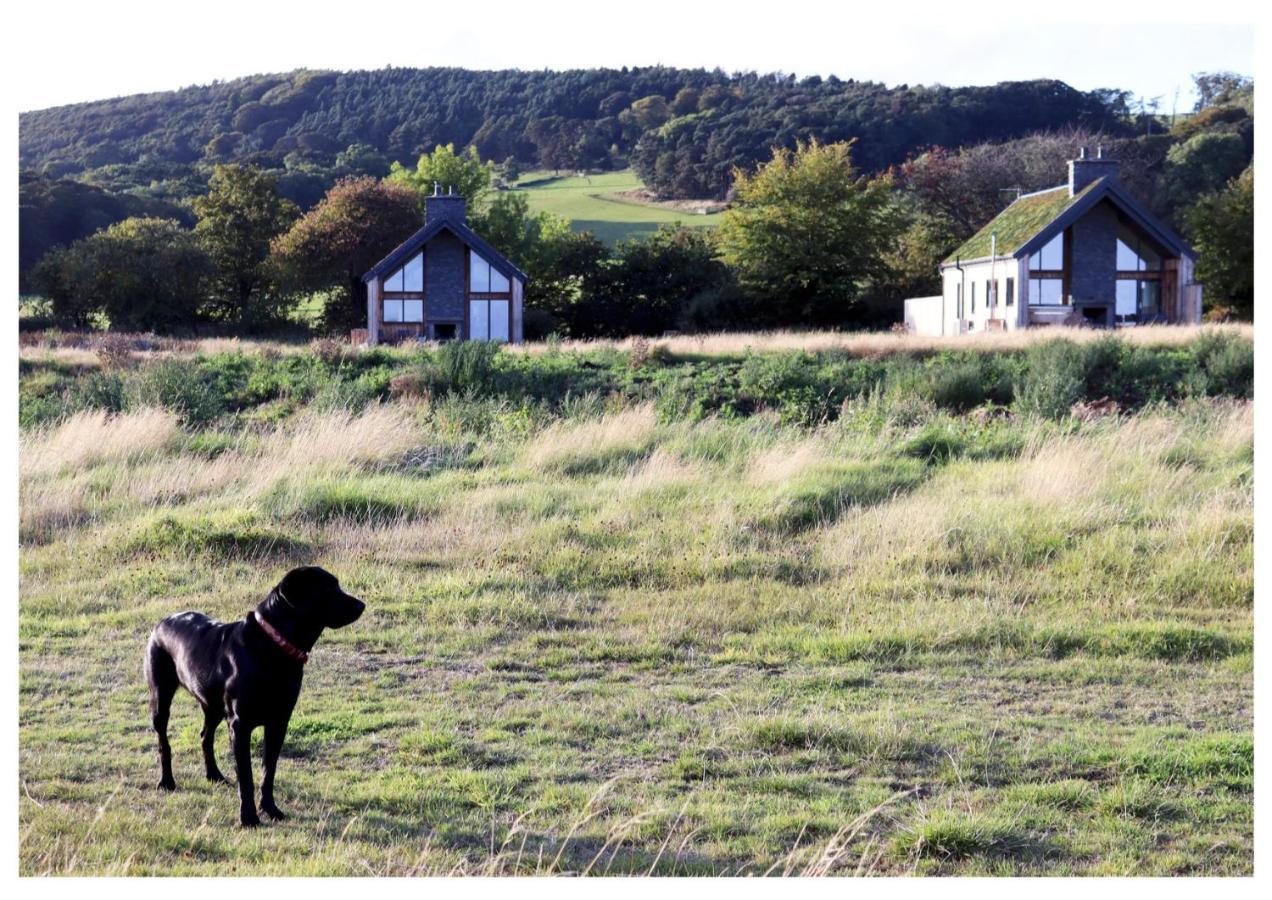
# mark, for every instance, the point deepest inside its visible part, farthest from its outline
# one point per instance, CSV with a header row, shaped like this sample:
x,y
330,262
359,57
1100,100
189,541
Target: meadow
x,y
656,608
600,203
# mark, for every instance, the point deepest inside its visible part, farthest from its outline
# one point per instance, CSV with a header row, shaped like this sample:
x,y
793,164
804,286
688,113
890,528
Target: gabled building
x,y
444,283
1085,252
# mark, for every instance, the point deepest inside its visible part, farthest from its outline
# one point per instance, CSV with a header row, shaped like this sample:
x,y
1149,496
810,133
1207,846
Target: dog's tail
x,y
160,671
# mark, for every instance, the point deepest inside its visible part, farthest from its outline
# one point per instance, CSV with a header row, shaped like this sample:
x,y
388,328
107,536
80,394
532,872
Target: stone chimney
x,y
449,206
1086,169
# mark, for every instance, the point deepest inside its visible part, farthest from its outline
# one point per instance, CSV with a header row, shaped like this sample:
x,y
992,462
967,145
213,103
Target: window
x,y
1134,254
973,298
408,279
1046,291
958,301
403,310
1010,293
483,278
990,299
1051,257
488,320
1139,270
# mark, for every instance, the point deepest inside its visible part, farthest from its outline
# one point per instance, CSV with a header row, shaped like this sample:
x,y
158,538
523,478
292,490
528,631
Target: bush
x,y
179,386
1226,362
98,390
466,365
958,387
1054,378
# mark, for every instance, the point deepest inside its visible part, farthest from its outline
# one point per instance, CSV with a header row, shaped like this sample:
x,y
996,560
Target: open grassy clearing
x,y
595,203
602,641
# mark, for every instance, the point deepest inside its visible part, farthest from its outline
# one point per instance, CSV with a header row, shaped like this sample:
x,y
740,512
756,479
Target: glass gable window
x,y
409,279
1134,254
1051,257
483,278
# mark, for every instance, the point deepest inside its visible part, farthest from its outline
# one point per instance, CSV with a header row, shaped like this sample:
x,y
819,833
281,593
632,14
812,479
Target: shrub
x,y
958,387
98,390
408,386
467,365
1054,378
1227,363
114,351
179,386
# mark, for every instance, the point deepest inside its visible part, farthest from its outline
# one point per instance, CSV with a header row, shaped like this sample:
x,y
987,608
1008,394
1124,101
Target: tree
x,y
238,217
351,229
1218,88
807,233
1221,226
465,172
1200,165
659,278
651,112
508,171
142,274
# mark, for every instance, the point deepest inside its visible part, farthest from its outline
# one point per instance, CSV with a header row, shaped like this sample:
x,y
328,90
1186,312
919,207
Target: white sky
x,y
104,49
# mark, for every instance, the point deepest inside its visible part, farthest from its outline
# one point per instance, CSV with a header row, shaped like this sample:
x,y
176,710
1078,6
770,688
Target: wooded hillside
x,y
682,129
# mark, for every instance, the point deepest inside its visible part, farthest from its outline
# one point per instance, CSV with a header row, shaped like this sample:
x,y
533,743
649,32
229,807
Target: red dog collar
x,y
276,636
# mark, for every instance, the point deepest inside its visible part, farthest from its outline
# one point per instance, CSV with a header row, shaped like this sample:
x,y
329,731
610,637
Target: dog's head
x,y
314,594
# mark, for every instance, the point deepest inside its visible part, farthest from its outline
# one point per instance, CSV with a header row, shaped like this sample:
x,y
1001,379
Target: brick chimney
x,y
449,206
1086,169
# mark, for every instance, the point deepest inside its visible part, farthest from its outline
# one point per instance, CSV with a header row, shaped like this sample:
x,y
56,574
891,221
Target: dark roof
x,y
1033,219
404,250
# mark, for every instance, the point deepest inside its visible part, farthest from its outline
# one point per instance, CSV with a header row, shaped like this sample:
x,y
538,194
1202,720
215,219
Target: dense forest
x,y
267,165
682,129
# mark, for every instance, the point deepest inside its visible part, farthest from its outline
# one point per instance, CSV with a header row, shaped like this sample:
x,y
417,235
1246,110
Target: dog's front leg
x,y
274,734
241,739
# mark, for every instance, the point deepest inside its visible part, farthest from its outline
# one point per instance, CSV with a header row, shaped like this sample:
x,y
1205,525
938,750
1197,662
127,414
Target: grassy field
x,y
604,640
592,204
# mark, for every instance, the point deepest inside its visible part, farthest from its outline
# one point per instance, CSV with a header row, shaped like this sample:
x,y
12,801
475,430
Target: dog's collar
x,y
277,637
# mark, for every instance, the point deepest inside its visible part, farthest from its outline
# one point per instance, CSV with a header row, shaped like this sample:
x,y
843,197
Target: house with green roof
x,y
1082,253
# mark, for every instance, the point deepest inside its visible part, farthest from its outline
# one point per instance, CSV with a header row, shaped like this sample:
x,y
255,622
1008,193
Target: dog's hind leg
x,y
212,716
161,673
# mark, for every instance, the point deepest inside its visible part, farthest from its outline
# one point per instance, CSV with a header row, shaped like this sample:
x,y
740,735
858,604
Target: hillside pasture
x,y
602,639
598,203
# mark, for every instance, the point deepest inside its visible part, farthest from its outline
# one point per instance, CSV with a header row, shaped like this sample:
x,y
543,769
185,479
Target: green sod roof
x,y
1019,222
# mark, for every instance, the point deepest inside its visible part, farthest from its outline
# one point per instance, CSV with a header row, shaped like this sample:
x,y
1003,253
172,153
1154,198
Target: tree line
x,y
683,130
811,238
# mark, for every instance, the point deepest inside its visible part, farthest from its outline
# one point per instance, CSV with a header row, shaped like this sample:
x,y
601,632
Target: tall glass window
x,y
1139,272
488,320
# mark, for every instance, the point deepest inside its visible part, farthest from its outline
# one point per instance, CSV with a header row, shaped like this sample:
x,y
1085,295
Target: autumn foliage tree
x,y
354,226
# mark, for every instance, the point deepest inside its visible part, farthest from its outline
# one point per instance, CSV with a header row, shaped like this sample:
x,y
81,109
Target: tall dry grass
x,y
336,438
91,437
568,445
875,344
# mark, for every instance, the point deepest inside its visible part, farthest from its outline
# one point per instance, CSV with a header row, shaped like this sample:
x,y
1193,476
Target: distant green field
x,y
586,201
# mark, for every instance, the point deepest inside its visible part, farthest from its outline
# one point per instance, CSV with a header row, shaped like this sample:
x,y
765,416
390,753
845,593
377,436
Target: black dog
x,y
247,673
